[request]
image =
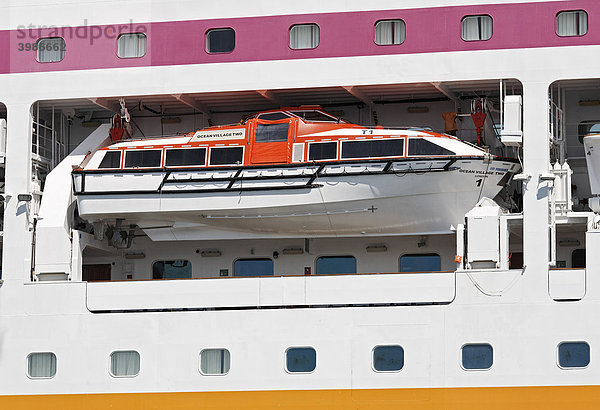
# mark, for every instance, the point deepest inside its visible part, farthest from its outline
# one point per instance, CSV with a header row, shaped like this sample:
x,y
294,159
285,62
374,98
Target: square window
x,y
571,23
132,45
573,354
253,267
220,40
388,358
479,356
173,269
477,28
300,359
421,262
304,36
215,362
389,32
41,365
51,49
125,363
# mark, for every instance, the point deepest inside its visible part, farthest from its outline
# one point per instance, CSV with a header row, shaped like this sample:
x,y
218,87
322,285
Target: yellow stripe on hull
x,y
489,398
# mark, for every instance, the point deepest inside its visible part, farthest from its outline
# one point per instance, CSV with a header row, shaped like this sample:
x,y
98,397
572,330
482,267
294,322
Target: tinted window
x,y
322,150
143,159
131,45
220,40
215,361
327,265
253,267
374,148
573,354
125,363
50,50
273,116
388,358
300,359
477,28
571,23
419,146
112,159
185,157
304,36
388,32
175,269
272,132
477,356
225,156
42,365
426,262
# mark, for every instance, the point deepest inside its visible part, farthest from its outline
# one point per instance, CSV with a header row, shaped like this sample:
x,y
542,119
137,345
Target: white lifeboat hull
x,y
369,197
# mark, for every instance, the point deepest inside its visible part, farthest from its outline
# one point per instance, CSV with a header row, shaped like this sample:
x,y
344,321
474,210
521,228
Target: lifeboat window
x,y
143,158
421,262
185,157
388,358
322,150
125,363
253,267
272,132
172,269
41,365
112,159
578,258
388,32
220,40
50,50
477,356
332,265
300,359
226,156
419,146
304,36
273,116
215,362
571,23
477,28
373,148
131,45
573,354
312,115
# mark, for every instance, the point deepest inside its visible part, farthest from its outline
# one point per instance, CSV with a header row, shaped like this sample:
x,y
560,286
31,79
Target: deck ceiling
x,y
256,100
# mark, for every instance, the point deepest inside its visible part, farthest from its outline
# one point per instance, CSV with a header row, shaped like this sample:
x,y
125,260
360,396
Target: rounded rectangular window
x,y
253,267
131,45
477,356
322,150
50,49
143,158
571,23
124,363
226,156
573,354
112,159
272,132
220,40
41,365
304,36
388,358
174,269
331,265
185,157
477,28
421,262
300,359
390,32
215,362
373,149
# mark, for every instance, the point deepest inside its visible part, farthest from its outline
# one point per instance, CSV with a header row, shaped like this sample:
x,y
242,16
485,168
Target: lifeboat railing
x,y
237,175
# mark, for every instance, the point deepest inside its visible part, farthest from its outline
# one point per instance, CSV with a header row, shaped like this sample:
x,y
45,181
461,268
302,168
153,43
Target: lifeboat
x,y
294,172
